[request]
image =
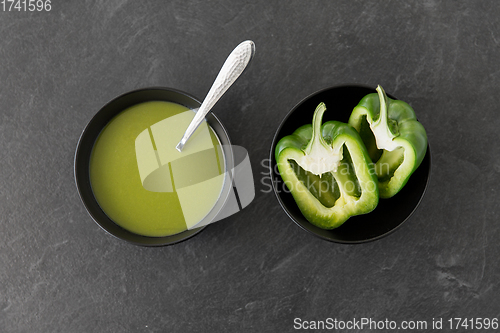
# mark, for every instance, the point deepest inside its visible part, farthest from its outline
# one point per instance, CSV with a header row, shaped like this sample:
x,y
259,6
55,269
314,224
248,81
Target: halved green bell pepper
x,y
395,140
328,171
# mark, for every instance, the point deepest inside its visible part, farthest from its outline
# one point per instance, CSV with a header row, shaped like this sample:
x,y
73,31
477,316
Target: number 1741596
x,y
25,5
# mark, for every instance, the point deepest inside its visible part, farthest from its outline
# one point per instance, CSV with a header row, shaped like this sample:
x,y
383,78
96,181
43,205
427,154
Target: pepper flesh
x,y
395,140
328,171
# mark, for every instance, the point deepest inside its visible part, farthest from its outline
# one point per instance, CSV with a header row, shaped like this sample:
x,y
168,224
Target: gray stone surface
x,y
255,271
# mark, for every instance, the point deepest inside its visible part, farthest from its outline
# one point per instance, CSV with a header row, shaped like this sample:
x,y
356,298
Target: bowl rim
x,y
272,165
81,183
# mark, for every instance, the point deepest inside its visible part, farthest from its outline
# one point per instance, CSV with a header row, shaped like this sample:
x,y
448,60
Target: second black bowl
x,y
389,214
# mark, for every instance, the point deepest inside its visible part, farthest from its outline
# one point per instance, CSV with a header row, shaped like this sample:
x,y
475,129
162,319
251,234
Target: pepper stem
x,y
383,106
317,138
319,157
380,128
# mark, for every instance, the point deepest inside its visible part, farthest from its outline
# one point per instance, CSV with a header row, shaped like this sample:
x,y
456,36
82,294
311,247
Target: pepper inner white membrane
x,y
386,162
330,186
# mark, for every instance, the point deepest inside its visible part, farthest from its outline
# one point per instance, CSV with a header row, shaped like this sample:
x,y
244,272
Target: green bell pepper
x,y
328,171
395,140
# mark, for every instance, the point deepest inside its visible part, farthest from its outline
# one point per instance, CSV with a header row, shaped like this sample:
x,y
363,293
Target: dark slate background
x,y
255,271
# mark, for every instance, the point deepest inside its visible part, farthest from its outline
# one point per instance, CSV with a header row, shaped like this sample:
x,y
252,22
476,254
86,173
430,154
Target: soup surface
x,y
143,183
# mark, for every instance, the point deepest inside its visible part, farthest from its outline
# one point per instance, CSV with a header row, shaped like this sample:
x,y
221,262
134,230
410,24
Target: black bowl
x,y
92,131
389,214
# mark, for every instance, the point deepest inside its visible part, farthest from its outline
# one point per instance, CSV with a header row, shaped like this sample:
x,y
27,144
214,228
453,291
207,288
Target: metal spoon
x,y
235,63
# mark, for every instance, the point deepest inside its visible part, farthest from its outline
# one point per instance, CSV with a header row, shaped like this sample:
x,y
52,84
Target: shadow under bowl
x,y
389,214
89,137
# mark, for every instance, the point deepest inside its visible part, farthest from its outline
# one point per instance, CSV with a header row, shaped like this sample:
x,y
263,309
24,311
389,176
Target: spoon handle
x,y
234,65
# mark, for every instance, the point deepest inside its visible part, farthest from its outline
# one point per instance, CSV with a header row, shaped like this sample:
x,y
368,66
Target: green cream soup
x,y
143,183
